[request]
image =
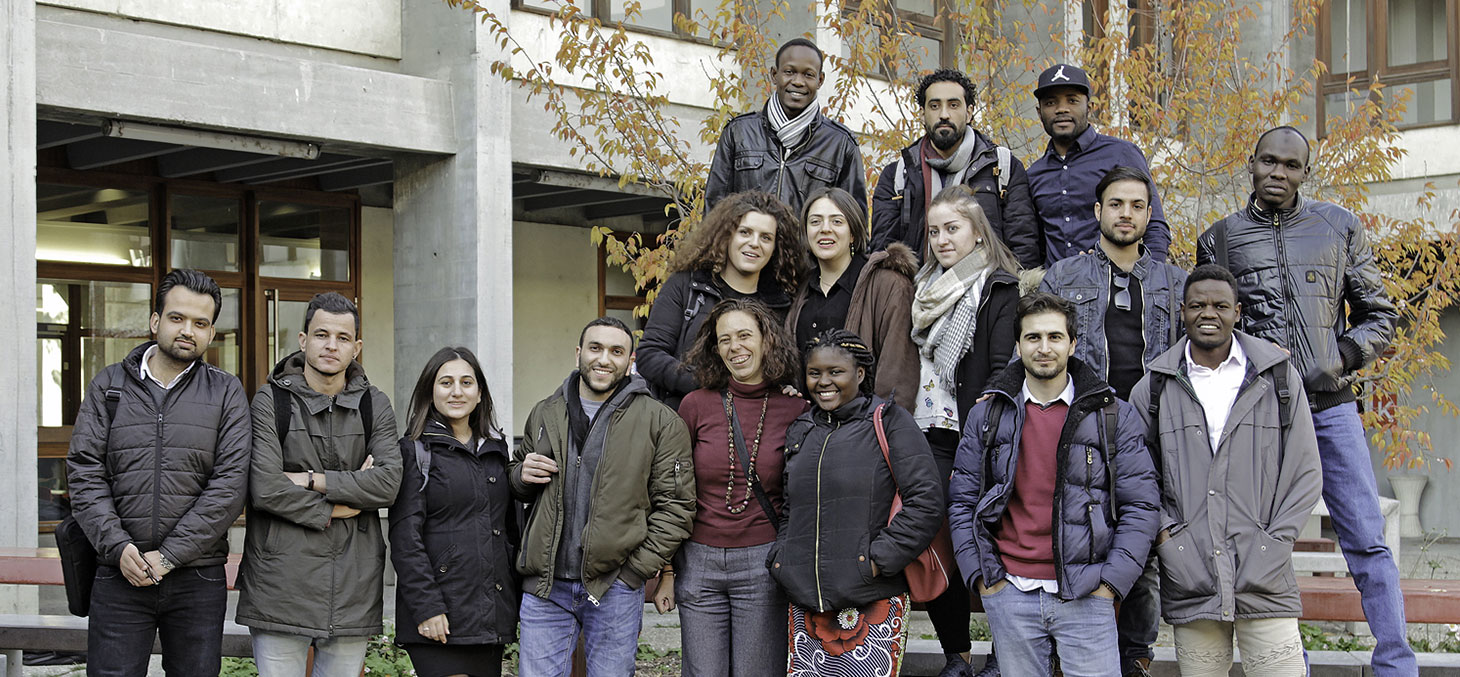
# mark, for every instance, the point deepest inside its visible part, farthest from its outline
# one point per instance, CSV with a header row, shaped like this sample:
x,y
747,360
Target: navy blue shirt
x,y
1064,195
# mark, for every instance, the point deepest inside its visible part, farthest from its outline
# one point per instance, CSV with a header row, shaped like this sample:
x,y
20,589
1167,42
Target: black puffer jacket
x,y
453,543
749,156
1296,269
680,308
902,217
838,493
169,478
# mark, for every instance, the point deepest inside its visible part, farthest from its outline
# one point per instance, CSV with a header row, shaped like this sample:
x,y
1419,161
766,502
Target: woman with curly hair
x,y
732,616
837,555
747,247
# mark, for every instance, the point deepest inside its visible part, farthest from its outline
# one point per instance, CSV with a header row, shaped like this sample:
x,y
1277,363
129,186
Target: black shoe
x,y
990,667
1140,669
956,667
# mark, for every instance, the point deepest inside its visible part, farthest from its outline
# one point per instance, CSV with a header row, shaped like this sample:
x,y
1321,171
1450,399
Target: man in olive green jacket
x,y
606,470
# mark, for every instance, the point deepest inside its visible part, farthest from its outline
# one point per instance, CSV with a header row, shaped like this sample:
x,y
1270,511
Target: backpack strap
x,y
283,409
899,176
1285,398
1002,171
1110,427
423,461
367,415
1153,411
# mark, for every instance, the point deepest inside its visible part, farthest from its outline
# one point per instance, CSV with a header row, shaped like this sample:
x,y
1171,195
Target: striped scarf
x,y
791,131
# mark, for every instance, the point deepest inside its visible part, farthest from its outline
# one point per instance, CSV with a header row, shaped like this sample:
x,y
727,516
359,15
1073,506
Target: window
x,y
917,26
1408,45
618,295
656,16
1140,21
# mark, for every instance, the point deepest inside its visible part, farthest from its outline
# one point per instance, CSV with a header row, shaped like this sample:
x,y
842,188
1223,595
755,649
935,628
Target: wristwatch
x,y
166,564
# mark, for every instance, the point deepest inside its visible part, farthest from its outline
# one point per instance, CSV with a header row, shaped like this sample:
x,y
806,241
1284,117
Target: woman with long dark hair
x,y
452,532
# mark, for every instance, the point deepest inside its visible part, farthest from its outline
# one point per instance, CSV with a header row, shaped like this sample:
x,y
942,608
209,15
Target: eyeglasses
x,y
1122,290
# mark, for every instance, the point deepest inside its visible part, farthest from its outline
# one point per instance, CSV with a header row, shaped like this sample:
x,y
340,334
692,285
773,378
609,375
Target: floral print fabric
x,y
861,642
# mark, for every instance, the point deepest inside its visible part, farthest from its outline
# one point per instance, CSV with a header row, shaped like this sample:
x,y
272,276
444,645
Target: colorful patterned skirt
x,y
864,642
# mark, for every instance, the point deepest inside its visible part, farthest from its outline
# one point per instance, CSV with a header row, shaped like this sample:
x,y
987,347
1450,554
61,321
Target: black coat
x,y
749,156
453,544
994,337
838,493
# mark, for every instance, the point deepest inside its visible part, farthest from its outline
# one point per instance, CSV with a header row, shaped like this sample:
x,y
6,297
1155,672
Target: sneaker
x,y
990,667
1140,669
956,667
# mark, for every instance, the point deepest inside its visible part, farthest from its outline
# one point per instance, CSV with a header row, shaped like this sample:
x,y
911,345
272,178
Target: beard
x,y
587,377
1045,373
179,353
1110,233
945,137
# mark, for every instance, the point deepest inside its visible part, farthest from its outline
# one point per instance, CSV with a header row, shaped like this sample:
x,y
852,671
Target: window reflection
x,y
204,232
88,325
93,225
304,241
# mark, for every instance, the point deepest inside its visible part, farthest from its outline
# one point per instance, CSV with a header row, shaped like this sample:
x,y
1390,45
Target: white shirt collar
x,y
1236,358
147,373
1067,395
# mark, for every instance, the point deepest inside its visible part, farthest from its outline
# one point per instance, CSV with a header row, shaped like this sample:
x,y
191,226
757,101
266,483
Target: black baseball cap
x,y
1062,75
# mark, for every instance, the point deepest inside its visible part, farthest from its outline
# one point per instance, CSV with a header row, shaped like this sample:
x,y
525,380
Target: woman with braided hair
x,y
837,556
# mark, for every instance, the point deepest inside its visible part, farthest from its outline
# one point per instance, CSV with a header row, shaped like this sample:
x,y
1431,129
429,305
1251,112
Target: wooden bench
x,y
1336,599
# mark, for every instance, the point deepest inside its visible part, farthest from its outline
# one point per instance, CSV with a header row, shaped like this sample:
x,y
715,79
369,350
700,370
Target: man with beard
x,y
159,470
325,459
953,152
1300,264
1052,502
1063,180
788,148
606,470
1123,297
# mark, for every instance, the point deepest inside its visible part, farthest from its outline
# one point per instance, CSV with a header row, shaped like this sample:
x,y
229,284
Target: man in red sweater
x,y
1051,502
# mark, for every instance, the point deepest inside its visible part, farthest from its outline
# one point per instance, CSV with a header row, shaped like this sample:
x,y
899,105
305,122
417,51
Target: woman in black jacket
x,y
451,528
837,556
748,246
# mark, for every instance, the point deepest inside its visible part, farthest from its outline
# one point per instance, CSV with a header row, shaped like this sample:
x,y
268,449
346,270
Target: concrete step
x,y
1319,562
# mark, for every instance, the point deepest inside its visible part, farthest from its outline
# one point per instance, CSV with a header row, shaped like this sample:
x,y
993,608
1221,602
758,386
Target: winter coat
x,y
838,493
902,217
1085,282
304,573
1296,269
680,308
749,156
1088,549
994,337
1233,514
169,478
881,314
643,493
453,543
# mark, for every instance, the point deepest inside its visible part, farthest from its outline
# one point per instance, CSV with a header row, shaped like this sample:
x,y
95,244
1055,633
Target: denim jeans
x,y
186,609
1024,623
550,627
732,616
1352,496
280,654
1139,618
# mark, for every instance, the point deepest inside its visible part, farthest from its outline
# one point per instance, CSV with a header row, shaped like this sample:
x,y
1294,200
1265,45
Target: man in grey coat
x,y
1238,459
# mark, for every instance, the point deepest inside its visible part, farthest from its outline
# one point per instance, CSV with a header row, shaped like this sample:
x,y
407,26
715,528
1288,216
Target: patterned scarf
x,y
952,167
945,311
791,131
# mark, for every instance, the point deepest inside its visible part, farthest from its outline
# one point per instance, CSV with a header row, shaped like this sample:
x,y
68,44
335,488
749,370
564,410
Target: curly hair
x,y
851,345
779,363
707,247
946,75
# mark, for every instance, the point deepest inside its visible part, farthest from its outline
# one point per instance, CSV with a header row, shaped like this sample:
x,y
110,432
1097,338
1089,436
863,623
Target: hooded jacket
x,y
169,477
749,156
902,217
1246,500
1088,548
642,496
881,313
304,573
1296,271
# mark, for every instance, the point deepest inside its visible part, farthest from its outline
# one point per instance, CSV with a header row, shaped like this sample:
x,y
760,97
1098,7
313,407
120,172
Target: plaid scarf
x,y
791,131
945,311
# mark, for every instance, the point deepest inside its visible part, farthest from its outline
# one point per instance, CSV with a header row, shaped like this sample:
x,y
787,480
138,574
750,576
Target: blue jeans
x,y
1139,619
1352,496
610,629
1024,623
732,616
280,654
186,608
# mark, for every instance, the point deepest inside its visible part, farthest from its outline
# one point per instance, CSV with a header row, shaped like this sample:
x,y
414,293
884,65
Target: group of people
x,y
816,397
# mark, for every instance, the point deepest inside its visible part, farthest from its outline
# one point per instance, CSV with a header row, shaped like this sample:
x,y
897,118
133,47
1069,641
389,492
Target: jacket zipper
x,y
593,491
1283,276
816,555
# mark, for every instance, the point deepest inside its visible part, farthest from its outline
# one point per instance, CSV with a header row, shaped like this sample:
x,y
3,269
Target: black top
x,y
1125,338
828,311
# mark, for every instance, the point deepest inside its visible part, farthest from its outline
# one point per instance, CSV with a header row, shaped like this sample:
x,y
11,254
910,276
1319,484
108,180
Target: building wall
x,y
377,302
556,282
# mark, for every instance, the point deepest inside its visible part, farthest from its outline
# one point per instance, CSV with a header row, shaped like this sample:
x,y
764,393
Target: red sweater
x,y
1025,538
709,430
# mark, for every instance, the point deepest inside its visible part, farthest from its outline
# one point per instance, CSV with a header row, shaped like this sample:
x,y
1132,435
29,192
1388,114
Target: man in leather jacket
x,y
1299,263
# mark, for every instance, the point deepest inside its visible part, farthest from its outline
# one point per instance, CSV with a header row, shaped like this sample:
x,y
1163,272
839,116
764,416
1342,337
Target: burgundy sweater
x,y
1025,538
709,429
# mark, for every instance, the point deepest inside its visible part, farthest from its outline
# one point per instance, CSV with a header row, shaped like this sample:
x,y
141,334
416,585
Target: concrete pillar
x,y
17,273
453,214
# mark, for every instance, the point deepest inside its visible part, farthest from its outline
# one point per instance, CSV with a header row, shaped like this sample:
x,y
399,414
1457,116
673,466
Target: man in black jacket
x,y
953,152
788,148
158,471
1299,263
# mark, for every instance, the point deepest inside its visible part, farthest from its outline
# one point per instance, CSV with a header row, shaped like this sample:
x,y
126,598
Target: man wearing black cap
x,y
1063,180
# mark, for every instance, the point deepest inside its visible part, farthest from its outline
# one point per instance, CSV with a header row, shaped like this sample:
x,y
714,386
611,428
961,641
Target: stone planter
x,y
1407,489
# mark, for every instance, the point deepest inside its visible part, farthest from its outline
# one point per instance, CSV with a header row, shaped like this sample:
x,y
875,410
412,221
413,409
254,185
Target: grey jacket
x,y
1232,515
170,477
302,572
1085,282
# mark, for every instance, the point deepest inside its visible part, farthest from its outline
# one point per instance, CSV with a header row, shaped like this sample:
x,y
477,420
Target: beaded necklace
x,y
754,452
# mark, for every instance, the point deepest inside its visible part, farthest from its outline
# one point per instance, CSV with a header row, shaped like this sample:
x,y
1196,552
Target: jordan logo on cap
x,y
1059,75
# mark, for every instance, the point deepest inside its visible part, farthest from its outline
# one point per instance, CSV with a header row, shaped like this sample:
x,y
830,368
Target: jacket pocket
x,y
1265,566
820,173
443,562
1185,572
748,161
1099,531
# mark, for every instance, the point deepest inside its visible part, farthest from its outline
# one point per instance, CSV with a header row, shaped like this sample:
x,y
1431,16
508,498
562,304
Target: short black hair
x,y
607,321
853,346
1210,271
195,281
800,42
1039,302
946,75
1307,147
1122,173
333,303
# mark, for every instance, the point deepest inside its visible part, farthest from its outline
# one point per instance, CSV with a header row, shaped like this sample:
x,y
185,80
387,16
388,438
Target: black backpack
x,y
78,555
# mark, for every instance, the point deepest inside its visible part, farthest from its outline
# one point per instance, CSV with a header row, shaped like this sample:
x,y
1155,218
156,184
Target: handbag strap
x,y
882,442
744,456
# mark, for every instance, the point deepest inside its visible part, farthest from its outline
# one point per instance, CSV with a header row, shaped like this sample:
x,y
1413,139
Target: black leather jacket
x,y
750,157
1296,269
